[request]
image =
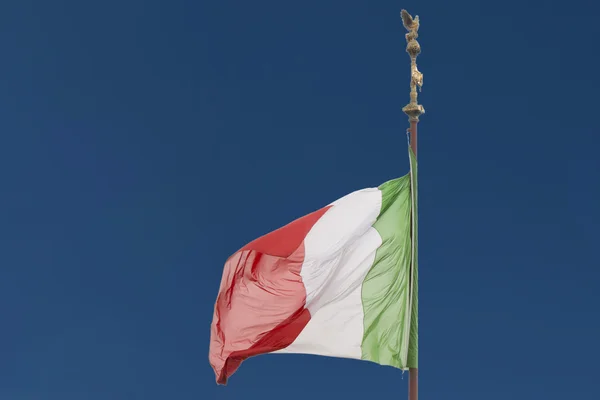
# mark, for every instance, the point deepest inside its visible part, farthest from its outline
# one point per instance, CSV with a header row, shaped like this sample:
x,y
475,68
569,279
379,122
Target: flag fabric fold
x,y
338,282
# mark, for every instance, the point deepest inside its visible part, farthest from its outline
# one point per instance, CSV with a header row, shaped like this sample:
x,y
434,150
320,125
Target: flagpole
x,y
413,110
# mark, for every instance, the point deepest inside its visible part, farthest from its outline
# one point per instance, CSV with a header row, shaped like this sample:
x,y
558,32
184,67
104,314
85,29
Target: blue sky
x,y
143,142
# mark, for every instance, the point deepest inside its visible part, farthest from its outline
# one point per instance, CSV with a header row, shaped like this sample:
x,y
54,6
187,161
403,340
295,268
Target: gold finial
x,y
413,109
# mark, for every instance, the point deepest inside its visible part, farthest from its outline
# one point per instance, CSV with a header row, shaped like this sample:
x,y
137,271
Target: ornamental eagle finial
x,y
410,23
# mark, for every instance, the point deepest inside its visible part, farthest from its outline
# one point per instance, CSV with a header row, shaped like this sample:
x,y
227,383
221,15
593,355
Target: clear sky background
x,y
143,142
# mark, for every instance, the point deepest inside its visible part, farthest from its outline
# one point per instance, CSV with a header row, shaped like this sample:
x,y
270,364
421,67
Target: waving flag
x,y
339,282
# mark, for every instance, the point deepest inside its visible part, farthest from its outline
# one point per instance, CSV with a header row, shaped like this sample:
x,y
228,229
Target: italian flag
x,y
339,282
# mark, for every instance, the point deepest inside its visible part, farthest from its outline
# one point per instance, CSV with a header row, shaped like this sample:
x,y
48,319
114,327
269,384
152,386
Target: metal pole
x,y
413,110
413,136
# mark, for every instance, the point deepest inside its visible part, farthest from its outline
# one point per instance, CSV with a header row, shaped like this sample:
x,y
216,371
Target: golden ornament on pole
x,y
413,109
